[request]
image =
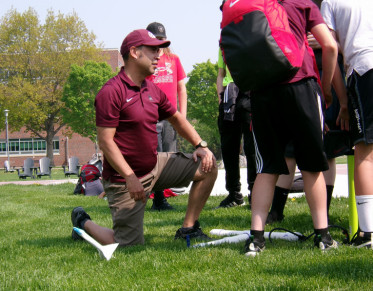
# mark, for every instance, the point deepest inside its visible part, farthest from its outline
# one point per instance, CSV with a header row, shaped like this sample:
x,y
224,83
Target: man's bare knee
x,y
199,175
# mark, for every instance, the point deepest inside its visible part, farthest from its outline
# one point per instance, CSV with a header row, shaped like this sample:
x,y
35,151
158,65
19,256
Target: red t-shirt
x,y
134,112
168,73
303,15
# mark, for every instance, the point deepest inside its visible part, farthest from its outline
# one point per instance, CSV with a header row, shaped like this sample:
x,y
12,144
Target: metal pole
x,y
6,130
67,150
353,217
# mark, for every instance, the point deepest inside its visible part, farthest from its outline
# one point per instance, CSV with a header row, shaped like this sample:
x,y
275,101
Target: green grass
x,y
37,252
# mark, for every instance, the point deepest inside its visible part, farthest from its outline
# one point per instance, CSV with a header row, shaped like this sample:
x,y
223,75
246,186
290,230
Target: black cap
x,y
222,4
157,29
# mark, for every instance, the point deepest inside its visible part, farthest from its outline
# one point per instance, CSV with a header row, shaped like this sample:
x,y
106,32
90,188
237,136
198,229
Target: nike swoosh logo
x,y
128,100
359,203
232,3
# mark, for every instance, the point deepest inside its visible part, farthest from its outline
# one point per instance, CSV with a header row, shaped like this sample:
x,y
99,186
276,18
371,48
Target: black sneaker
x,y
362,239
162,206
232,200
253,247
325,243
274,217
193,232
78,215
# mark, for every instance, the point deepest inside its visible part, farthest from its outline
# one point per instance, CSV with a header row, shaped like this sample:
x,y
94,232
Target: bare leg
x,y
315,189
285,181
102,234
364,185
331,173
262,197
363,169
199,193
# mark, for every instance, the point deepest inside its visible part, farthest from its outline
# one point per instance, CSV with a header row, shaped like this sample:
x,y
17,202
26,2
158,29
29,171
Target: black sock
x,y
329,193
158,197
279,200
324,233
258,236
82,222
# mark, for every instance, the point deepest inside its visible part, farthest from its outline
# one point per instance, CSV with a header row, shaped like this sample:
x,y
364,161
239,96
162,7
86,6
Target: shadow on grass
x,y
331,267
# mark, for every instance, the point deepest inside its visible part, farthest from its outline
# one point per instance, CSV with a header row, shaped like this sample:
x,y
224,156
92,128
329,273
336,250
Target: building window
x,y
28,146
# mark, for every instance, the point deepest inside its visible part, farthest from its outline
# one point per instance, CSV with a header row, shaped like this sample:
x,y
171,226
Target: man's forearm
x,y
116,159
184,128
339,87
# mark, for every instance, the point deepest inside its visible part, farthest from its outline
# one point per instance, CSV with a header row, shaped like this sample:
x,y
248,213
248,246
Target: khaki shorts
x,y
172,170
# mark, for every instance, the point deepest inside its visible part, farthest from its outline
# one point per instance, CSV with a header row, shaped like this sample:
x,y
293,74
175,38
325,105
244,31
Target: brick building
x,y
22,145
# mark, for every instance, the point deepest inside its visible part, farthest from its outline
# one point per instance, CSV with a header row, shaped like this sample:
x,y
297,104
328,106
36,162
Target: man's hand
x,y
343,119
313,43
135,188
208,160
327,92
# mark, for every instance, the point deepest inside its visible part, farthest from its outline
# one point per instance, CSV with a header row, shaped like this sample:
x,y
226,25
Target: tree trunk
x,y
49,142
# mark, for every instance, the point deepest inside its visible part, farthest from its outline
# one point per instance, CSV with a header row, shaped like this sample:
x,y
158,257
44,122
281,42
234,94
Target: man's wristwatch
x,y
202,144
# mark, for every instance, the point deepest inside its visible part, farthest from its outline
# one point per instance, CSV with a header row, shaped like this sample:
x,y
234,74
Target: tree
x,y
79,94
35,60
203,105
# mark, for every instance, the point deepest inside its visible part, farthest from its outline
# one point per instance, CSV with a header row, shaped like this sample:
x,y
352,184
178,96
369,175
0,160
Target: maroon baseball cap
x,y
141,37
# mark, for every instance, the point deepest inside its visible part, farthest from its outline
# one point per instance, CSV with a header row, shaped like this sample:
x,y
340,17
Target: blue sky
x,y
192,26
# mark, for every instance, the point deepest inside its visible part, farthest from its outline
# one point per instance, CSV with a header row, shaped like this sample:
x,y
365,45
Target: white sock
x,y
364,205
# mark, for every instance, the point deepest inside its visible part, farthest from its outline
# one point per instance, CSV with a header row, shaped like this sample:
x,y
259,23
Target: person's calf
x,y
103,235
199,193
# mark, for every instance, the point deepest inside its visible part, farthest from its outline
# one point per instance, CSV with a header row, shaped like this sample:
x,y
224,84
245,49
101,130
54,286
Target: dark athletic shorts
x,y
336,143
172,170
284,113
360,91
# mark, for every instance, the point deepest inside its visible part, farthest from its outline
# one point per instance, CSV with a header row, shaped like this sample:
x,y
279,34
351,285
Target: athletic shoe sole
x,y
232,204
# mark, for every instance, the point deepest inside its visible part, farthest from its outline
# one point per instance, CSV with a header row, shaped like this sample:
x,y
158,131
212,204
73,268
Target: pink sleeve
x,y
180,70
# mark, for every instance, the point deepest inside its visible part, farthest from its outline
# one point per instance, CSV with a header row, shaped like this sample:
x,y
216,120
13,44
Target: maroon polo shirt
x,y
303,15
134,112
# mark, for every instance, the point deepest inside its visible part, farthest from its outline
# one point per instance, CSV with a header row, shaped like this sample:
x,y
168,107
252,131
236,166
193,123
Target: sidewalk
x,y
40,182
340,187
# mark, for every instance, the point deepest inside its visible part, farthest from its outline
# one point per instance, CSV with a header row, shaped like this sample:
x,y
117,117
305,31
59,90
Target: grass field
x,y
37,252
